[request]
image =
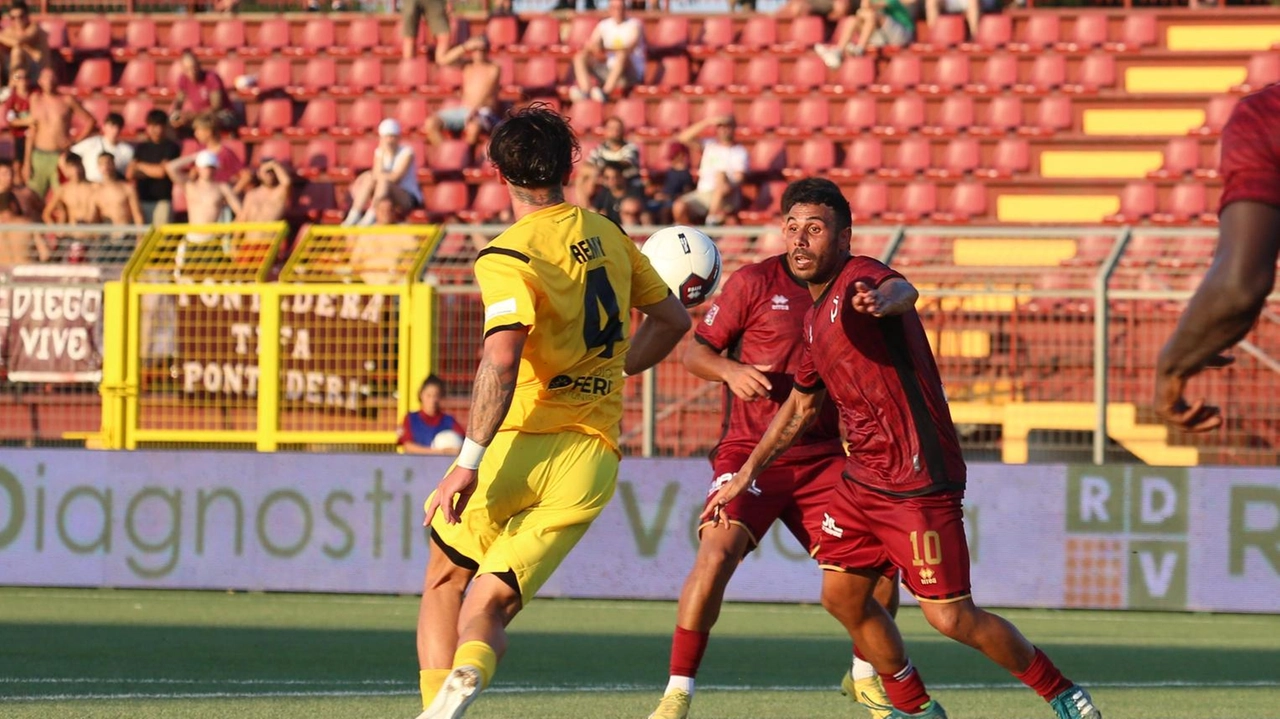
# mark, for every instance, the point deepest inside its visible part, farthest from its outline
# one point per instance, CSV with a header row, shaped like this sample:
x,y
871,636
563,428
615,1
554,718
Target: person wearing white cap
x,y
208,201
394,174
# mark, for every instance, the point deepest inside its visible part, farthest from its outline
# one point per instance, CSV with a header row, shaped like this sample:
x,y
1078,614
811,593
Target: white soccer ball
x,y
447,439
687,260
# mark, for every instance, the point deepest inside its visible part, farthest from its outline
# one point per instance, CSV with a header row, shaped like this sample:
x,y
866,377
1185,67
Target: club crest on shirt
x,y
781,302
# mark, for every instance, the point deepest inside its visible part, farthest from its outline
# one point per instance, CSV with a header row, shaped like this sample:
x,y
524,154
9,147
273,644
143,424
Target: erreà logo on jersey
x,y
711,315
781,302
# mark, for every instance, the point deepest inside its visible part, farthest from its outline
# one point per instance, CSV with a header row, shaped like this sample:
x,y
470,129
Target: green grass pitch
x,y
145,654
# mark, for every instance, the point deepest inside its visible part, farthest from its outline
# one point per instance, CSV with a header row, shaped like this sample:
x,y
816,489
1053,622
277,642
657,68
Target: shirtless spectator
x,y
117,200
614,56
268,201
720,174
147,171
15,245
50,134
72,202
394,174
28,43
30,206
107,142
200,94
377,257
478,112
15,112
209,201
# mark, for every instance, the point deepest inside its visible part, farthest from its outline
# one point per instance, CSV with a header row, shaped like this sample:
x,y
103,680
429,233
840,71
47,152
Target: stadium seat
x,y
715,75
1088,32
1138,31
184,35
999,73
967,201
363,117
767,204
807,74
670,36
913,156
1181,157
1137,202
633,111
1012,156
955,115
1053,114
1188,203
1004,114
448,159
952,72
759,33
317,35
274,148
56,29
444,200
901,74
230,68
580,28
538,75
864,156
139,37
1091,250
1048,72
760,73
767,158
319,74
363,76
1144,250
363,35
320,116
906,115
358,156
93,38
946,32
962,156
994,32
1097,71
94,75
1043,30
1216,114
138,76
586,116
870,200
764,114
492,199
668,73
717,34
854,75
98,107
273,37
406,76
275,73
275,114
802,35
812,114
669,117
1263,69
170,80
502,31
134,113
228,36
815,157
856,115
919,200
319,157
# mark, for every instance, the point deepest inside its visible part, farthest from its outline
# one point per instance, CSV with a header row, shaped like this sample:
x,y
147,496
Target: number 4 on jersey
x,y
599,296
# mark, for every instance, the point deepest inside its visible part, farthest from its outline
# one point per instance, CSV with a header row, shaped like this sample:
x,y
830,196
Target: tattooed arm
x,y
491,396
793,418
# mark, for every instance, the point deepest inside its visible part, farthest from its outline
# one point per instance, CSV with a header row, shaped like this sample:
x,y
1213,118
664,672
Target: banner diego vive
x,y
1039,536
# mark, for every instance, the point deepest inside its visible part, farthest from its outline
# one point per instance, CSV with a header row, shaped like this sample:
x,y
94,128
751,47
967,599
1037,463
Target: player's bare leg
x,y
849,596
1003,644
861,683
488,608
442,591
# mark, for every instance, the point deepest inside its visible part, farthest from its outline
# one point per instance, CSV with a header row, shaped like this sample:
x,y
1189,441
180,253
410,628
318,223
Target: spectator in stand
x,y
15,247
436,13
879,23
267,201
30,206
50,134
394,174
28,43
614,56
616,148
720,175
614,190
147,171
230,167
481,81
209,200
200,94
419,429
586,180
383,258
677,182
971,9
117,199
108,142
16,110
833,10
73,202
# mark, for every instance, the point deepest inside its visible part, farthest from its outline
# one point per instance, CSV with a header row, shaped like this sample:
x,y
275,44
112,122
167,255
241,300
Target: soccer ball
x,y
687,260
447,439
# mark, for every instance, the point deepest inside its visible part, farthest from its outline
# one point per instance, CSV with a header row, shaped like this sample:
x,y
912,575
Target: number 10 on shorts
x,y
930,548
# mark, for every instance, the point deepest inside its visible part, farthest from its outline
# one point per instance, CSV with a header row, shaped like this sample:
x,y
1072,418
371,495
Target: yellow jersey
x,y
571,276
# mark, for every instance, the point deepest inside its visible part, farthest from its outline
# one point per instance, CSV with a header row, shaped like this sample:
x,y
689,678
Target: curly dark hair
x,y
819,191
534,148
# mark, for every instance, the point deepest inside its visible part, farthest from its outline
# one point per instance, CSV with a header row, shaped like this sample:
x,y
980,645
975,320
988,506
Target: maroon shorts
x,y
921,536
794,491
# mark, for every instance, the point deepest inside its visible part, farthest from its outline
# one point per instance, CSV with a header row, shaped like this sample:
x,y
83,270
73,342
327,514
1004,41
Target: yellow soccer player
x,y
540,460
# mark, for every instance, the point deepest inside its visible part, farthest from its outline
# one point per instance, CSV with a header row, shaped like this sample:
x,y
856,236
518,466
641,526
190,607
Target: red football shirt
x,y
1251,150
883,379
758,318
198,93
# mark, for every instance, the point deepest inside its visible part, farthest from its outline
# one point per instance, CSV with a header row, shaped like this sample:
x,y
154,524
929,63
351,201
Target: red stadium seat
x,y
767,157
538,75
902,73
952,72
184,35
1097,71
275,148
994,31
1137,32
808,73
632,110
318,35
94,37
139,75
764,114
812,114
363,76
358,156
1137,202
816,156
855,74
966,201
139,36
273,36
448,159
320,156
411,112
999,73
363,117
760,73
445,200
276,73
587,116
56,29
135,114
94,75
1187,203
919,199
1048,72
914,156
856,115
275,114
320,116
715,75
669,73
956,115
864,156
906,115
580,29
492,200
804,33
670,35
407,76
670,117
228,36
540,35
502,31
1181,157
1004,114
363,35
717,34
318,75
98,107
1091,250
1012,156
229,68
870,200
766,206
1144,249
1263,69
1089,32
962,156
1042,30
922,250
947,31
759,33
1054,114
1216,114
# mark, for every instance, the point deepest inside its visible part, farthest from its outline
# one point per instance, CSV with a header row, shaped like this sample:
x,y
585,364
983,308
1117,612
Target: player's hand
x,y
459,481
1172,405
868,300
713,512
748,381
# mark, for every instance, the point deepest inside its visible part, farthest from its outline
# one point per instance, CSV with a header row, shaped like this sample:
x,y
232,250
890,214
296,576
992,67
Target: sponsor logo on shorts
x,y
711,315
781,302
927,576
754,488
719,482
829,526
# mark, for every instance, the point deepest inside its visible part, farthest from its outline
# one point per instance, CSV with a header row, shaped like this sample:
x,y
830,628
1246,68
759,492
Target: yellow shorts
x,y
535,498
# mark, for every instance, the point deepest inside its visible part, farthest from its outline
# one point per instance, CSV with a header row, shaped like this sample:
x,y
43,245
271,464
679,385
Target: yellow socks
x,y
430,681
479,655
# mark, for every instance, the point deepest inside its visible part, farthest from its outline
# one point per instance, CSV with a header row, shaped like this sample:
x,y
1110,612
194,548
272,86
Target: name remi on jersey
x,y
586,250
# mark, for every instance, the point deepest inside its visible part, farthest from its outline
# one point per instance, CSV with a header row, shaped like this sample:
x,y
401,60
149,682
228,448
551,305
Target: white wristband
x,y
470,455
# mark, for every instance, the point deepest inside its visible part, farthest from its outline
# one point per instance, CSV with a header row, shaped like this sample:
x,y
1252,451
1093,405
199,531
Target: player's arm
x,y
894,296
793,418
747,382
666,321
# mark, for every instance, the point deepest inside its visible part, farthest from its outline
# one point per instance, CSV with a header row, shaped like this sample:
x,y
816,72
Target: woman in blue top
x,y
419,430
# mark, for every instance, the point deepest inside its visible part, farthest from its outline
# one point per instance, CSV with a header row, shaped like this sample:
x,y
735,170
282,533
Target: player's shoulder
x,y
1258,109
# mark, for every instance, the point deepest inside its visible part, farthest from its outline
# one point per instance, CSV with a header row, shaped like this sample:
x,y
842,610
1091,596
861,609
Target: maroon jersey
x,y
758,318
882,377
1251,150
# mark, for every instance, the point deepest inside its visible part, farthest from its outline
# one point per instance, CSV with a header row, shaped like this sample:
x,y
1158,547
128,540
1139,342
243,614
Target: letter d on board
x,y
17,501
